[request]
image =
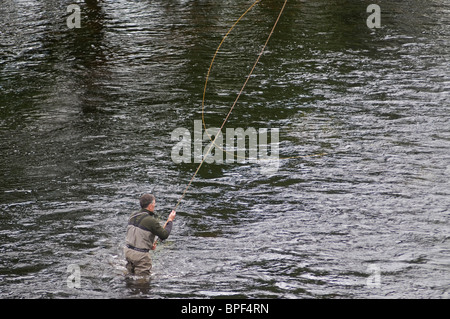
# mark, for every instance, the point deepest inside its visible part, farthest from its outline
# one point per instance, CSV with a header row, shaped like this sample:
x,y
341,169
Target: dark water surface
x,y
86,117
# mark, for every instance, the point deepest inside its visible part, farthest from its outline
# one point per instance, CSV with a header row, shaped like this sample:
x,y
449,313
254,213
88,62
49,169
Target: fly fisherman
x,y
142,229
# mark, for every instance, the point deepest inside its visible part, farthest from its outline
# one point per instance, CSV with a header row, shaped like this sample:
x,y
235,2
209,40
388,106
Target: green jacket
x,y
142,228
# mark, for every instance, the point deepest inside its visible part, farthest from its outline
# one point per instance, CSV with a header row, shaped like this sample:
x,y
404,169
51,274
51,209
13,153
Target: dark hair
x,y
146,200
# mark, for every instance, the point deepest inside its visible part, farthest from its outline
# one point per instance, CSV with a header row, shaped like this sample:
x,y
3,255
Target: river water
x,y
358,208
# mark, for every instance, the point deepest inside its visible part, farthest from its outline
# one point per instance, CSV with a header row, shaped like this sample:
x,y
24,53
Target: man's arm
x,y
164,232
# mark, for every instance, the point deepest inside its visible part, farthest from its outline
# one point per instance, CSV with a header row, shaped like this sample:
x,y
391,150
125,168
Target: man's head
x,y
147,201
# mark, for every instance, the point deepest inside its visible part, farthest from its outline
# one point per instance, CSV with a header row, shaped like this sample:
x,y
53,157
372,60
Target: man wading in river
x,y
142,229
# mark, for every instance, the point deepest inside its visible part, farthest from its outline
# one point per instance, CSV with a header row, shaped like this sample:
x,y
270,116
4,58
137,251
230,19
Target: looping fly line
x,y
245,83
238,96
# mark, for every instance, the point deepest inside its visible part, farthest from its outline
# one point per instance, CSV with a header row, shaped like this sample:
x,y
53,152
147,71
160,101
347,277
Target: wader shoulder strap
x,y
133,219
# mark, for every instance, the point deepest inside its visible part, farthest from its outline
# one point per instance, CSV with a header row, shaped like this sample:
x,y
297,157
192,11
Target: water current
x,y
359,206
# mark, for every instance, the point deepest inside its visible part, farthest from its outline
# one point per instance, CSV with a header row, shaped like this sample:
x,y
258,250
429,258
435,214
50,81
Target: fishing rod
x,y
235,101
239,94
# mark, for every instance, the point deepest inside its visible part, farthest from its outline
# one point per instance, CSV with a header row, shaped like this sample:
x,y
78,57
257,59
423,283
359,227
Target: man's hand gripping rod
x,y
171,218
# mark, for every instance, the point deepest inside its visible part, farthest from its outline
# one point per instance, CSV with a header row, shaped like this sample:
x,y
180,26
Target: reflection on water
x,y
86,117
